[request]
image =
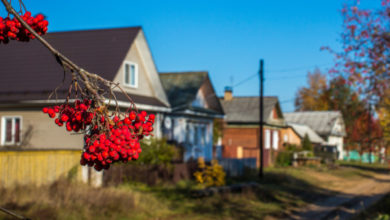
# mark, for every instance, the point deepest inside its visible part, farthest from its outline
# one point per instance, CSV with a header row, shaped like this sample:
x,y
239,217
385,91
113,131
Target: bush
x,y
156,152
284,158
212,175
306,143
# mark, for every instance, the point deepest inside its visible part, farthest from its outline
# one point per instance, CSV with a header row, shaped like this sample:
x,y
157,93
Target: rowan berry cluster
x,y
121,145
75,118
12,29
107,140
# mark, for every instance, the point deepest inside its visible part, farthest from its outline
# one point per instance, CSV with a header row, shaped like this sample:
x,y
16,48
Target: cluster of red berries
x,y
121,145
13,29
108,140
76,118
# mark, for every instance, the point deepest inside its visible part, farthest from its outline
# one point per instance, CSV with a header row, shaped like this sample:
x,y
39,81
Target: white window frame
x,y
275,139
3,130
267,139
135,72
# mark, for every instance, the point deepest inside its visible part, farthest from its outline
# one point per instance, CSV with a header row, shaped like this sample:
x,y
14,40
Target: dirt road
x,y
352,198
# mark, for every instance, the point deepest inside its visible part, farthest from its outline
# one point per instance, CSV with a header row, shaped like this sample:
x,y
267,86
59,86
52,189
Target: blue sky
x,y
226,38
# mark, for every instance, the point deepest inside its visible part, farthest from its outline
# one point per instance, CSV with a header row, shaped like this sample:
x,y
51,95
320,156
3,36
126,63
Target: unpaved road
x,y
352,198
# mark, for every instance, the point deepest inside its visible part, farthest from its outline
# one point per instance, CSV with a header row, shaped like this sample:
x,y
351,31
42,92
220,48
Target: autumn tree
x,y
312,97
337,94
364,58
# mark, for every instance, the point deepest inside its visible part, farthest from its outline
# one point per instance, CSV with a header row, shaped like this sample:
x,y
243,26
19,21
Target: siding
x,y
40,132
37,167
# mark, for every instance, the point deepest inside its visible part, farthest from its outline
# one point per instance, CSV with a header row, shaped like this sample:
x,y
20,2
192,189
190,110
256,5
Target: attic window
x,y
130,74
10,127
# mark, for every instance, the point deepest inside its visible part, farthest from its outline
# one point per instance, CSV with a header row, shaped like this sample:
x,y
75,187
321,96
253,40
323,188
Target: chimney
x,y
228,93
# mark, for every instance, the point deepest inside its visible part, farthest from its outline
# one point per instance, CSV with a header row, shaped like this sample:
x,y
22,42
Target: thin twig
x,y
13,214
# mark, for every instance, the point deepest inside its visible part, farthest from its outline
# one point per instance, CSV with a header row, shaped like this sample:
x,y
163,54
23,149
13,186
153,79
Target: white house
x,y
328,124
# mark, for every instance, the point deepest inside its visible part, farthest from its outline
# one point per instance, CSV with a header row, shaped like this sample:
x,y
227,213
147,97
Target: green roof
x,y
181,88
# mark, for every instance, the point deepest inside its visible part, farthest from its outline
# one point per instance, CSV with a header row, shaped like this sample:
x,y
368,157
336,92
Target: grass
x,y
279,191
380,210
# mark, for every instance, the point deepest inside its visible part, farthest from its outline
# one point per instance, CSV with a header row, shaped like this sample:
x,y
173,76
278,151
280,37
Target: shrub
x,y
156,152
306,143
284,158
212,175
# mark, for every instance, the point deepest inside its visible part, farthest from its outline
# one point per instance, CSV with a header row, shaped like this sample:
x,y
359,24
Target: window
x,y
275,139
267,139
11,130
131,74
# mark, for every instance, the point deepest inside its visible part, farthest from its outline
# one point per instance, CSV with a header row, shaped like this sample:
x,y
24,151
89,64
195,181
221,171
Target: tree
x,y
312,97
337,94
306,143
364,58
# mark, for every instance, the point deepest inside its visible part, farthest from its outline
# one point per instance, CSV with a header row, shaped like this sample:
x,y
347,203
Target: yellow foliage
x,y
384,117
212,175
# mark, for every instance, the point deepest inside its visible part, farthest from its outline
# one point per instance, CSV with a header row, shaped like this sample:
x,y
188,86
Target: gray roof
x,y
246,109
322,122
302,130
182,87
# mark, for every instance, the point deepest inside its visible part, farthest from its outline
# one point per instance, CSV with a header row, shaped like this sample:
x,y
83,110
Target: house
x,y
241,131
294,134
329,125
29,73
194,107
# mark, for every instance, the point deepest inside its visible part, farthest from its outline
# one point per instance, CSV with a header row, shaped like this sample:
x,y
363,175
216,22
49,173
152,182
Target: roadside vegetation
x,y
281,190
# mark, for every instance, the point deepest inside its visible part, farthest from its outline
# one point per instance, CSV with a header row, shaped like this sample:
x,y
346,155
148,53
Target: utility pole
x,y
261,100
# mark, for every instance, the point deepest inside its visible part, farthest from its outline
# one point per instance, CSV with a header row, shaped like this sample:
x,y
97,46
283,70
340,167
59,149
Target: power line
x,y
297,68
245,80
281,71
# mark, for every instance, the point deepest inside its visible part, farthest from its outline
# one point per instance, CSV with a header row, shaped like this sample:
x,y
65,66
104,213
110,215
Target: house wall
x,y
148,79
339,142
194,134
144,85
290,137
243,142
40,132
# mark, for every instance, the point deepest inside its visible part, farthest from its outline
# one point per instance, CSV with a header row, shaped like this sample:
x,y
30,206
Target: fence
x,y
236,167
38,166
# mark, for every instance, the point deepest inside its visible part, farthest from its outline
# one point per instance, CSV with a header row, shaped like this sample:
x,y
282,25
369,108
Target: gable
x,y
206,95
149,84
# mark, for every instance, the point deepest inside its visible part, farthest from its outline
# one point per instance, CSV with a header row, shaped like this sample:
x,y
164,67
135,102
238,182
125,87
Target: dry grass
x,y
280,190
65,200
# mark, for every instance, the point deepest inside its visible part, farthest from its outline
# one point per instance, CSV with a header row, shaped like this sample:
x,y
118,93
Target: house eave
x,y
121,104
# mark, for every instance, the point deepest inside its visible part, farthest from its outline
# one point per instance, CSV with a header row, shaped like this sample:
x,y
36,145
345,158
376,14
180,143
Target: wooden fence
x,y
38,166
236,167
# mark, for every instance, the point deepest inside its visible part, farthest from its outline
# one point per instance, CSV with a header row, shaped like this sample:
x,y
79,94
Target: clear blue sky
x,y
226,38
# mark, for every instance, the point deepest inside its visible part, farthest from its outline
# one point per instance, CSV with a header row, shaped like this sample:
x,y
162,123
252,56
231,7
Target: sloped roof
x,y
302,130
322,122
182,87
30,71
246,109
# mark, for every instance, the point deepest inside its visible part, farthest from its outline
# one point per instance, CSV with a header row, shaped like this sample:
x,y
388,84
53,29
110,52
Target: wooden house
x,y
194,105
29,73
241,131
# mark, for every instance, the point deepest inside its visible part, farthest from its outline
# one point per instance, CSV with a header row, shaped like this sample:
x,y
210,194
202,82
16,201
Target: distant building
x,y
329,125
294,134
241,131
195,105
